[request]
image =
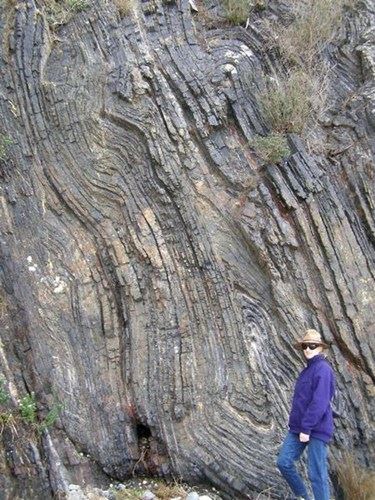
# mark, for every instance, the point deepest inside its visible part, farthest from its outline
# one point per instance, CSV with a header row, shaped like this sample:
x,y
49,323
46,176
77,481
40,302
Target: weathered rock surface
x,y
153,274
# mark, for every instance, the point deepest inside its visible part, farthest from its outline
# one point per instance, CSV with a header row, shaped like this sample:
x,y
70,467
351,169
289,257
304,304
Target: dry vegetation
x,y
238,11
163,491
356,481
292,103
125,7
288,103
166,491
129,494
314,26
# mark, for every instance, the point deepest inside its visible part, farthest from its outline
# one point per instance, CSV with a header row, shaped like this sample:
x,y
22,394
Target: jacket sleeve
x,y
320,399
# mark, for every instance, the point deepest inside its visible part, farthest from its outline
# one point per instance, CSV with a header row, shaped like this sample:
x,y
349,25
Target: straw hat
x,y
311,337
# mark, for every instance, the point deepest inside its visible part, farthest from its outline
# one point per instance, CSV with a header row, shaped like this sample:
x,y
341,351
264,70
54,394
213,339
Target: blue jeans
x,y
291,450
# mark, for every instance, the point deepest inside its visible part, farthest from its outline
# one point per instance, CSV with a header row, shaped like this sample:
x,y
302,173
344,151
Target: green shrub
x,y
27,408
271,148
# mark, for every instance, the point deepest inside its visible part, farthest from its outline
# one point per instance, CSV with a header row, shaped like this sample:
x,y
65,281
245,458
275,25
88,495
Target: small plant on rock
x,y
7,419
129,494
314,27
27,408
51,417
166,491
287,103
125,7
5,142
271,148
26,413
237,11
77,5
59,13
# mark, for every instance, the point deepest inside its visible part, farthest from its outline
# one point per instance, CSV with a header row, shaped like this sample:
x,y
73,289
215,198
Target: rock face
x,y
153,274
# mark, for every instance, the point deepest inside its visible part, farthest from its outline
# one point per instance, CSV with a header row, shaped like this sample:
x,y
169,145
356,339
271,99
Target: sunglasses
x,y
309,346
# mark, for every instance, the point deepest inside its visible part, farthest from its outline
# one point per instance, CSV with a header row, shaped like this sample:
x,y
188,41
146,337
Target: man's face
x,y
310,353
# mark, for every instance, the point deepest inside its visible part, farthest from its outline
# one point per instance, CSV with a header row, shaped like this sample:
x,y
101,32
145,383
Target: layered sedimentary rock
x,y
153,274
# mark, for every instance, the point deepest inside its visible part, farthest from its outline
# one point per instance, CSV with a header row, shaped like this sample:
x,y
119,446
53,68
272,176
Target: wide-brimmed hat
x,y
311,337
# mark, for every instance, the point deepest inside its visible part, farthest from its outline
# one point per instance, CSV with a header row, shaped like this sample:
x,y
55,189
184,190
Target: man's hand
x,y
304,438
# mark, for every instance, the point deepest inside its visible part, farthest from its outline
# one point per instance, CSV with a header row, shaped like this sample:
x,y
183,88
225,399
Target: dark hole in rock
x,y
143,431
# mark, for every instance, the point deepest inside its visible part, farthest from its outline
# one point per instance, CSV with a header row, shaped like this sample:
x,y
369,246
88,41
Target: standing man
x,y
310,420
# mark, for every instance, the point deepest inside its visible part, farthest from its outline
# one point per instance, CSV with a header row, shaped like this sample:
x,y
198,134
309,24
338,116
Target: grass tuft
x,y
289,103
237,11
314,27
125,7
357,482
129,494
8,420
272,148
167,491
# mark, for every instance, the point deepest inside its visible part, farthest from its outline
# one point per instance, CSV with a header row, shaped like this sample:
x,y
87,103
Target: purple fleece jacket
x,y
311,411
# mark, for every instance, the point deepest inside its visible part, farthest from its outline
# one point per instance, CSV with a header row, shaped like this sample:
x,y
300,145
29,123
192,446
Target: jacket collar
x,y
315,359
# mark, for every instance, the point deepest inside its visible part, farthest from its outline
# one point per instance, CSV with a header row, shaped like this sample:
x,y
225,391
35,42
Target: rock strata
x,y
154,274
